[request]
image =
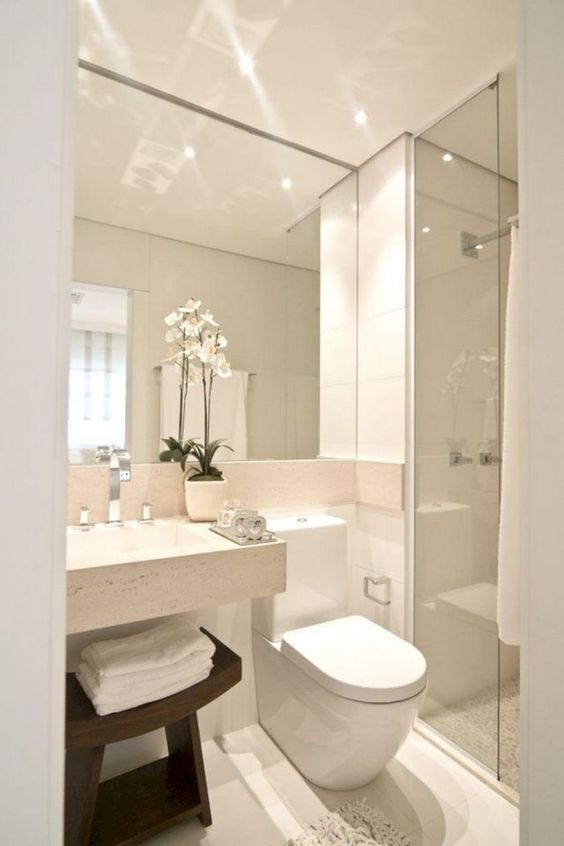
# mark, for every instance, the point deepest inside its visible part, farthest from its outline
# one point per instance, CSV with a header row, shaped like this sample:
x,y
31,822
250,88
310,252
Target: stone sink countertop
x,y
121,575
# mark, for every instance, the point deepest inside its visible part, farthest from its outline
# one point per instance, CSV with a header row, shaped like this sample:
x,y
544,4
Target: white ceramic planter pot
x,y
204,499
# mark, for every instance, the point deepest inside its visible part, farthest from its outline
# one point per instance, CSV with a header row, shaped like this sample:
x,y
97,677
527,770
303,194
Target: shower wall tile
x,y
380,541
381,453
383,230
392,616
338,320
338,356
381,413
337,412
379,551
338,450
338,255
381,346
381,264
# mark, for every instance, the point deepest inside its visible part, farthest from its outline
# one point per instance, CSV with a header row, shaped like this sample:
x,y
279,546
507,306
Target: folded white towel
x,y
160,646
134,698
109,688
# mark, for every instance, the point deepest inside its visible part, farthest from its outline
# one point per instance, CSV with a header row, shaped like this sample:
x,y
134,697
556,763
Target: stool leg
x,y
82,774
183,738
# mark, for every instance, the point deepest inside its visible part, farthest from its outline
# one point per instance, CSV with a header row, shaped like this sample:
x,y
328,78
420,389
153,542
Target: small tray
x,y
268,537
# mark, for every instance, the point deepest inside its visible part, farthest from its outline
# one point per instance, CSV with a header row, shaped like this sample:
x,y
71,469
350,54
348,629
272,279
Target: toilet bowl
x,y
339,698
338,694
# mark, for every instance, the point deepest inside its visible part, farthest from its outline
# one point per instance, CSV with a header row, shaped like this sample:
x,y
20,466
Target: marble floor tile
x,y
486,819
259,799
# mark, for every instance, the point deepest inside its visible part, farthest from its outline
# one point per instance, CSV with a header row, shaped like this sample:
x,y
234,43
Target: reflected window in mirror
x,y
98,370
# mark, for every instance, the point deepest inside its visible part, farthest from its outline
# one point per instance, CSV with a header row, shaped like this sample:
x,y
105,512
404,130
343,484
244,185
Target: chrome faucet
x,y
456,459
120,471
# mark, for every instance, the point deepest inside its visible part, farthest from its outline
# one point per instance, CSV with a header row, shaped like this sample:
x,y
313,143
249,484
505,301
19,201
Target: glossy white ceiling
x,y
405,62
131,171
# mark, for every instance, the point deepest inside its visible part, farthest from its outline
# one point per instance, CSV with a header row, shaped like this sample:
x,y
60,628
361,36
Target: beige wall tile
x,y
377,483
259,484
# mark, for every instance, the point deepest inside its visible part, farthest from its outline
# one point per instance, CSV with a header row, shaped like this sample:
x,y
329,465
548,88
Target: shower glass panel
x,y
462,252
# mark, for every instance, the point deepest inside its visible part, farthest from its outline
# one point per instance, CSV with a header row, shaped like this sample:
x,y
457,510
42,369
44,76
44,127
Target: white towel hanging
x,y
512,511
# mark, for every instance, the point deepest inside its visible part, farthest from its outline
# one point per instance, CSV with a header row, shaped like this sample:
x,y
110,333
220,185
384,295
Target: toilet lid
x,y
357,659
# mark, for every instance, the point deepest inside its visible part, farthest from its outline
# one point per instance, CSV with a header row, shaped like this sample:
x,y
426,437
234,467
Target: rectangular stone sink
x,y
141,571
103,545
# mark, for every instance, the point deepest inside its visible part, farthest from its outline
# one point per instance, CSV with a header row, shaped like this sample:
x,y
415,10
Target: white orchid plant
x,y
196,351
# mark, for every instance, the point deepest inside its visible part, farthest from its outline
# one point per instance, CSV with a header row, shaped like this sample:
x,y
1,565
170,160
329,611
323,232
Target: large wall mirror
x,y
172,204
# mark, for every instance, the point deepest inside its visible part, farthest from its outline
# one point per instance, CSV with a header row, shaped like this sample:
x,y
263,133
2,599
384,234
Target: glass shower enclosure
x,y
465,191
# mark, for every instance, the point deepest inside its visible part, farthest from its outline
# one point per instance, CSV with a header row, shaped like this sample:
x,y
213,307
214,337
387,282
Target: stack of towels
x,y
130,671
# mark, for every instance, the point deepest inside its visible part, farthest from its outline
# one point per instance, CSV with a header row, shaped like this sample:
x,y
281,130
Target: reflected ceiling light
x,y
246,65
479,246
189,152
447,157
286,183
425,229
360,117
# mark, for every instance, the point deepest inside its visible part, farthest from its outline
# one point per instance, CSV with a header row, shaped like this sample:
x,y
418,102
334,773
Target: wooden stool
x,y
131,807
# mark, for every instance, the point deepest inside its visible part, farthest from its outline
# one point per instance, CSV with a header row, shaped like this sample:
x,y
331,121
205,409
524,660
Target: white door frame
x,y
37,95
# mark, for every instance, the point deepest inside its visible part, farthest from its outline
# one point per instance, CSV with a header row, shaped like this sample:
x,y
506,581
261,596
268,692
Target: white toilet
x,y
338,694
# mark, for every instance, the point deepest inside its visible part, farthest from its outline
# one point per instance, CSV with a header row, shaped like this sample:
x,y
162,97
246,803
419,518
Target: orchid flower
x,y
191,346
221,367
196,340
172,318
190,306
207,316
172,335
207,351
192,324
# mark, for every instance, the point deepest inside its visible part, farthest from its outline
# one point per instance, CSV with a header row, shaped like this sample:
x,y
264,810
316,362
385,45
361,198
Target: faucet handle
x,y
84,519
103,454
146,513
124,461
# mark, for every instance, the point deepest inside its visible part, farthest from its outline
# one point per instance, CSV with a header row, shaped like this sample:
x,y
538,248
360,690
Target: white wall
x,y
268,312
382,285
338,321
382,245
541,181
379,551
37,67
362,359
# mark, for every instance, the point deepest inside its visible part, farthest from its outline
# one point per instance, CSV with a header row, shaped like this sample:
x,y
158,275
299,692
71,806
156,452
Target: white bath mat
x,y
352,825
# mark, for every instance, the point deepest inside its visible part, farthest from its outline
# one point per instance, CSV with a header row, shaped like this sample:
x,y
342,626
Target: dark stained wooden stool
x,y
131,807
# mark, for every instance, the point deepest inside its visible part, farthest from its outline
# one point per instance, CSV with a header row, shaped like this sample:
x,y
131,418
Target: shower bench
x,y
138,804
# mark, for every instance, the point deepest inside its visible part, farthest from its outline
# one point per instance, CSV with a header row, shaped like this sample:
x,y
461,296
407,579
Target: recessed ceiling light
x,y
189,152
425,229
360,117
479,246
286,183
246,65
448,157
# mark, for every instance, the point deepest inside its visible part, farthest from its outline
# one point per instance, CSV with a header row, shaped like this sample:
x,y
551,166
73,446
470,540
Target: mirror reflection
x,y
172,205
